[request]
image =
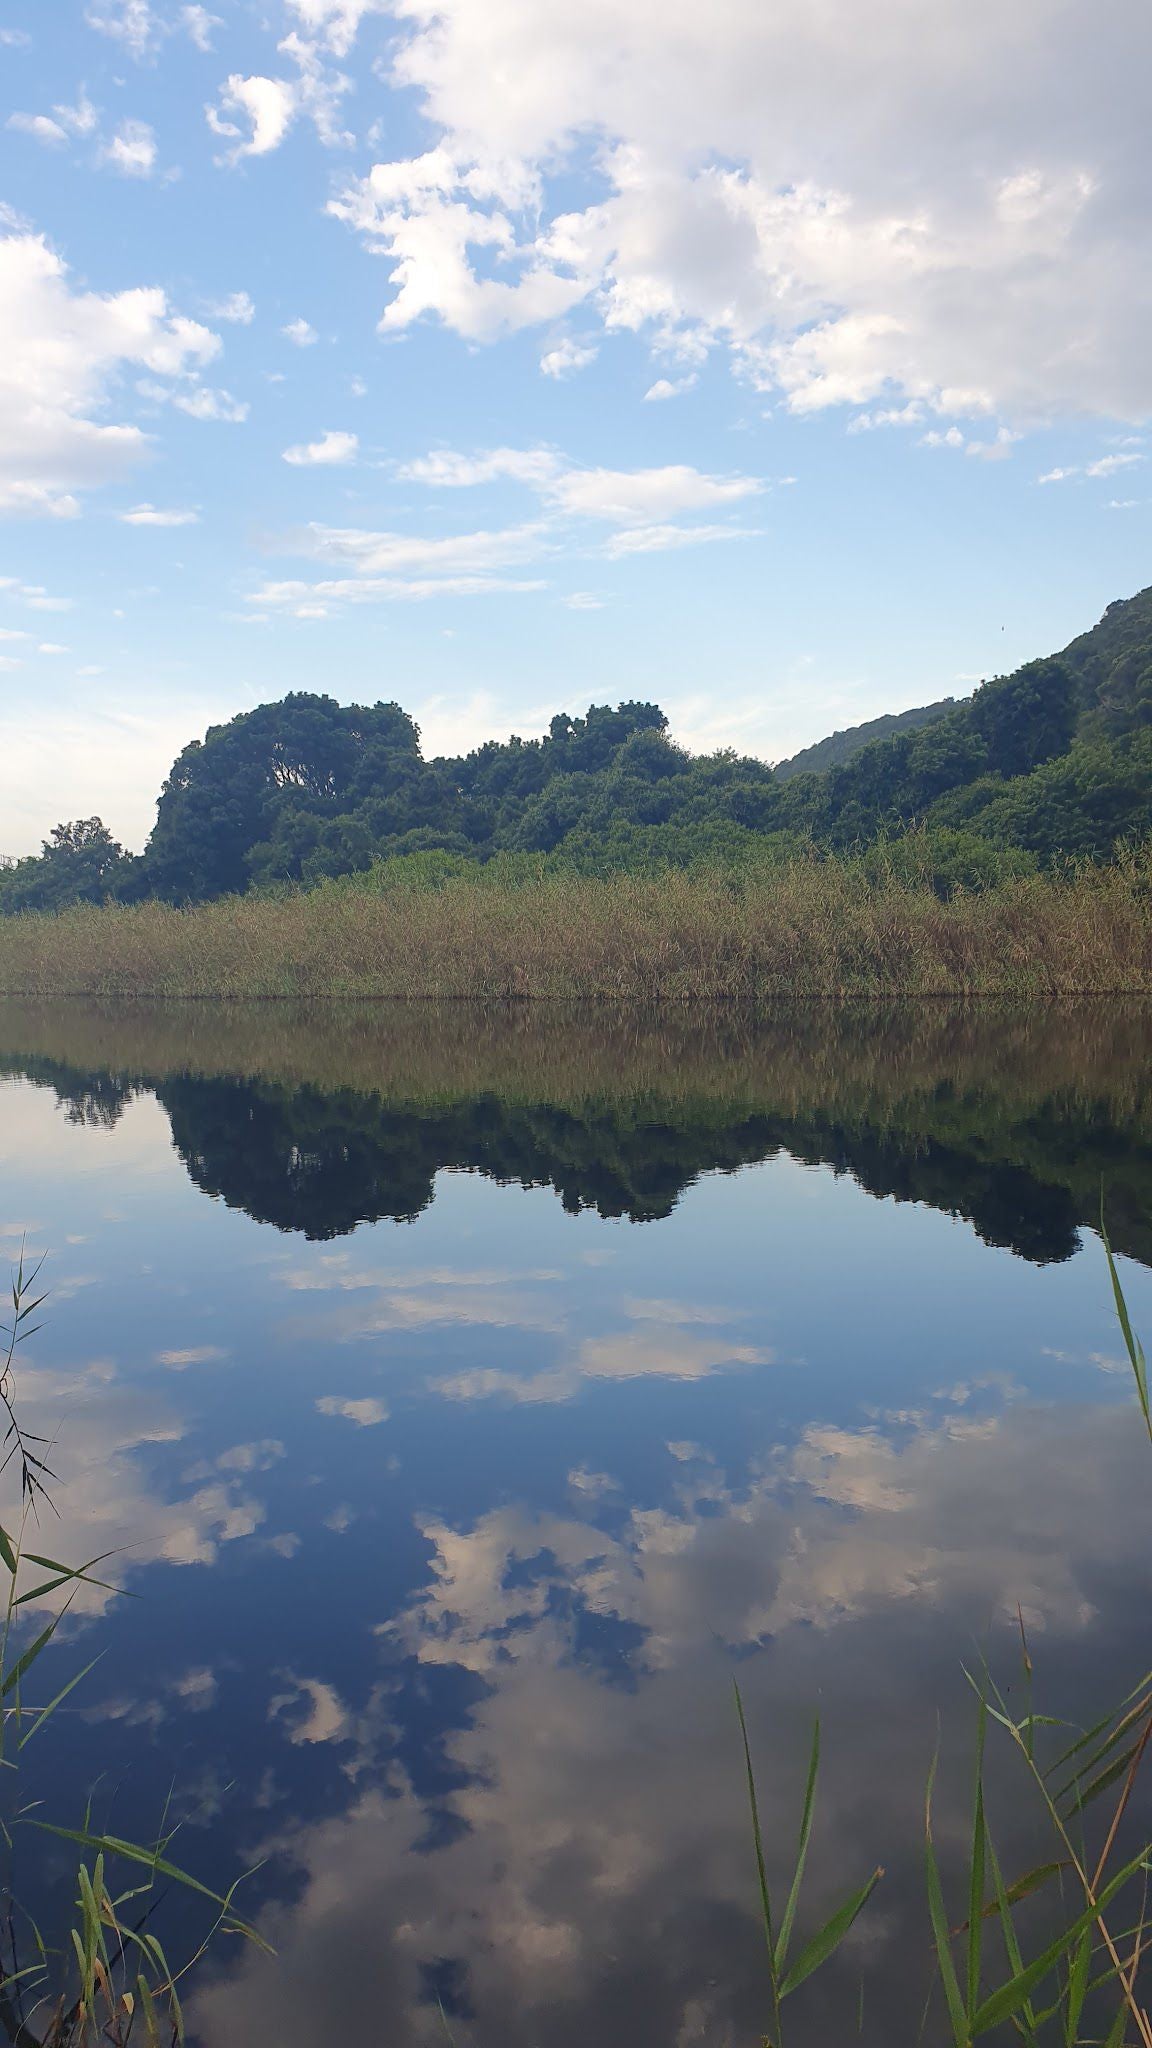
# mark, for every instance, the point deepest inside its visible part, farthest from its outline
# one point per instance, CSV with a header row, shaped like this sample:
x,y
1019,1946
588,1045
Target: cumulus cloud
x,y
330,449
157,515
205,404
236,308
666,387
132,150
336,21
253,115
199,24
568,357
132,23
300,333
58,127
61,352
797,187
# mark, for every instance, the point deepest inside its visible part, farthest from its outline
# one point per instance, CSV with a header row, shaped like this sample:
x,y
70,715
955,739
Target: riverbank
x,y
811,929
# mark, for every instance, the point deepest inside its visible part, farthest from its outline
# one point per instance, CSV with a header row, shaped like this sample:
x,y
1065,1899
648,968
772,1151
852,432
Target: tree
x,y
79,862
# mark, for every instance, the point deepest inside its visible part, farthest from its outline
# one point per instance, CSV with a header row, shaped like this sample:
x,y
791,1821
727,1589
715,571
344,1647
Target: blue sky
x,y
787,366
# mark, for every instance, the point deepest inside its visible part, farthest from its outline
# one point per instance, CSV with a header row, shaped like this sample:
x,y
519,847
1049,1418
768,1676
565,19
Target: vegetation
x,y
811,927
841,747
1051,762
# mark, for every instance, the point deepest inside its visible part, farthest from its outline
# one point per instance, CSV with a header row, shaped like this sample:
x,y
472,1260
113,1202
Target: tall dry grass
x,y
810,929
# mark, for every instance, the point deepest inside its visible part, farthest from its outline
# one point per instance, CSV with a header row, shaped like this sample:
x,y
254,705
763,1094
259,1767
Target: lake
x,y
471,1396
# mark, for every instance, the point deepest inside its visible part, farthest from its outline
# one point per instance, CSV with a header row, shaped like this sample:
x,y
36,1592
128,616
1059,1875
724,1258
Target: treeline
x,y
1050,762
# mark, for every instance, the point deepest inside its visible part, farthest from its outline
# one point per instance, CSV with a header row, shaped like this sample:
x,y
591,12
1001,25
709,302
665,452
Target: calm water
x,y
475,1396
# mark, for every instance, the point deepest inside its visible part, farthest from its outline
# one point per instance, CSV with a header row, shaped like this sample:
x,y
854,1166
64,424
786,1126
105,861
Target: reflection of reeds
x,y
861,1057
810,928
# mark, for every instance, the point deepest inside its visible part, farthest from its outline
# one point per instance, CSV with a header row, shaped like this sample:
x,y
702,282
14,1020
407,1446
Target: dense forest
x,y
1052,761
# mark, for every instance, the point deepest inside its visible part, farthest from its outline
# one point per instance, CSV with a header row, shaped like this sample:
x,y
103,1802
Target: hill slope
x,y
840,747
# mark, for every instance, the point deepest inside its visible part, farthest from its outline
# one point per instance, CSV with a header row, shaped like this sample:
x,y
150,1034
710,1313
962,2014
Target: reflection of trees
x,y
1025,1174
97,1099
322,1164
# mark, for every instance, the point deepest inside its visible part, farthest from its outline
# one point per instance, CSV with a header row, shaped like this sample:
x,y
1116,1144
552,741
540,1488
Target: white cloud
x,y
311,600
199,24
665,388
618,496
255,114
155,515
52,647
300,333
584,601
206,404
15,39
55,129
132,23
795,185
330,448
132,150
656,540
644,504
568,357
40,126
61,352
336,20
1105,465
447,469
237,308
639,496
267,104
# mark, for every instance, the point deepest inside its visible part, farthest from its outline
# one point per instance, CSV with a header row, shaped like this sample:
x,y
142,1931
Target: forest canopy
x,y
1054,760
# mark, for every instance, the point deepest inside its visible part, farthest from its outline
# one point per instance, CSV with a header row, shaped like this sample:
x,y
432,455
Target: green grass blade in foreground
x,y
961,2032
757,1836
1132,1342
786,1923
827,1941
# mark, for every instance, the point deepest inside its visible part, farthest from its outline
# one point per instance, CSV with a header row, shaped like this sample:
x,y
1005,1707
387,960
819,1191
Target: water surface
x,y
474,1395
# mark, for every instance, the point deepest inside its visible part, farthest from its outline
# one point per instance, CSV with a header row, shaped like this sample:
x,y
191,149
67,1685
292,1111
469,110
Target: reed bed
x,y
813,929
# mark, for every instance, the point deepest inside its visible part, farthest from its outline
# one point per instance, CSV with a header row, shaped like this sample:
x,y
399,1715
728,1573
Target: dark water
x,y
477,1395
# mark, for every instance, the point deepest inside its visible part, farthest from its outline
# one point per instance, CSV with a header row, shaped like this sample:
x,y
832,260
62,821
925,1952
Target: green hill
x,y
840,747
1053,760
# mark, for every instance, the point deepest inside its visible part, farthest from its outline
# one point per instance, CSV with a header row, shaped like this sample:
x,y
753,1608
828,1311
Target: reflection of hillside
x,y
1010,1120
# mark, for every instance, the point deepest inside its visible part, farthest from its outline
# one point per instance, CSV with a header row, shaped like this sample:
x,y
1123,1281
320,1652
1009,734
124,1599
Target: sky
x,y
785,364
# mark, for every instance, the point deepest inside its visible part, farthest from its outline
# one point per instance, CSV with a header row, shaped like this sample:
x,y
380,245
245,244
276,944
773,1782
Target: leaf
x,y
22,1664
948,1977
801,1851
1011,1996
42,1716
1077,1988
823,1944
765,1899
976,1872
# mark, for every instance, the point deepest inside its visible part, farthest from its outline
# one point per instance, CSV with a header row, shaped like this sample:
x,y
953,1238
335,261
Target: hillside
x,y
1053,760
840,747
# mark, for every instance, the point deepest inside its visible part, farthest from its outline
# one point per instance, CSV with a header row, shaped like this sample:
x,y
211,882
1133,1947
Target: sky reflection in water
x,y
453,1527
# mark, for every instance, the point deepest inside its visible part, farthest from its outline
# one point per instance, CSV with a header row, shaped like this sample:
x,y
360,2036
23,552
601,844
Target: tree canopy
x,y
1053,760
